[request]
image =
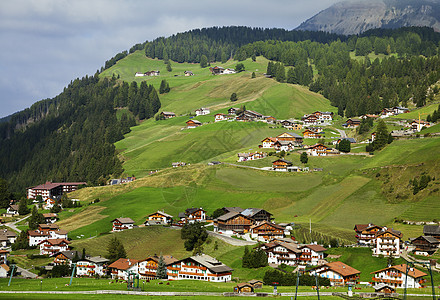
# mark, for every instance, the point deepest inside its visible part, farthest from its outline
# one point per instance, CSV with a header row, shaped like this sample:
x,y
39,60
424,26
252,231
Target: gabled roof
x,y
254,281
283,160
46,186
70,254
316,248
50,215
250,212
340,268
431,230
382,285
124,220
210,262
123,263
161,213
413,272
351,140
37,233
391,231
96,259
14,207
317,145
168,113
194,121
193,210
228,216
272,139
55,242
429,239
244,284
168,259
6,267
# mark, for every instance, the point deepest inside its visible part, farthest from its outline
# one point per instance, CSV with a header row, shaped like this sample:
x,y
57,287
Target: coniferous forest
x,y
70,137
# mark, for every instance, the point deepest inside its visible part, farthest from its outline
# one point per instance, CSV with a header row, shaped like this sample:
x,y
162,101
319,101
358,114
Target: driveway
x,y
230,240
342,133
12,224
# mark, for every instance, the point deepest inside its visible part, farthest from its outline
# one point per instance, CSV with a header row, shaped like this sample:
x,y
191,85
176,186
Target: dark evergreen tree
x,y
344,146
203,61
115,250
382,134
233,97
253,75
304,158
23,208
161,269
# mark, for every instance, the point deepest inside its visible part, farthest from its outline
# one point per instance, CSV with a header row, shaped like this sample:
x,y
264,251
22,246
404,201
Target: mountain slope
x,y
354,17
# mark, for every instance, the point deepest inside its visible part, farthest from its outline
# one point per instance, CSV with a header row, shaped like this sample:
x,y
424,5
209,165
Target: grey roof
x,y
283,160
431,229
125,220
351,140
192,210
97,259
227,216
70,254
182,215
429,239
250,212
211,263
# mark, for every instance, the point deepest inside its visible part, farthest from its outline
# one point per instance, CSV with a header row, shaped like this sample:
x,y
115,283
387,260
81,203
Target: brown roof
x,y
46,186
316,248
49,226
271,224
253,281
50,215
123,263
413,272
361,227
3,251
55,242
392,231
342,269
14,207
5,267
241,285
61,231
168,259
37,233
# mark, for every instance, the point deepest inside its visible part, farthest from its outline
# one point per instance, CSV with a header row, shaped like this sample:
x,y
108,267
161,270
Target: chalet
x,y
311,254
193,124
249,115
387,243
204,267
281,165
167,115
266,231
12,210
369,116
139,74
352,123
178,164
202,111
220,117
53,190
152,73
418,125
384,288
122,267
400,110
270,119
425,245
395,276
120,224
338,273
366,233
310,134
233,222
4,269
147,268
232,209
7,237
257,214
4,256
286,124
217,70
66,257
36,237
386,112
50,218
318,150
46,231
188,73
251,156
284,146
47,228
244,288
296,126
310,120
323,115
159,218
290,137
432,230
49,203
282,253
229,71
192,215
257,284
91,266
52,246
268,142
233,111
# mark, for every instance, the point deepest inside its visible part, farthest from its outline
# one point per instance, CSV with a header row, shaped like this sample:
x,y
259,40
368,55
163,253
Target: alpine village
x,y
232,162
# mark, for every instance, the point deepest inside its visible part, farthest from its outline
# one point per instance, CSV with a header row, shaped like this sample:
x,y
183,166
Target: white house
x,y
4,256
220,117
229,71
12,210
159,218
36,237
48,203
122,267
338,273
52,246
387,243
202,111
120,224
139,74
91,266
4,269
395,276
7,237
268,142
204,267
282,253
311,254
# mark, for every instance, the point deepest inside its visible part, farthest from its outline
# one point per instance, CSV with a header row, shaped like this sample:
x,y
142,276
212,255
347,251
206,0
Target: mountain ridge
x,y
355,16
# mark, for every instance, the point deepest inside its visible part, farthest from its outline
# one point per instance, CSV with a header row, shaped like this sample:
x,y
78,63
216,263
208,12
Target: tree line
x,y
71,137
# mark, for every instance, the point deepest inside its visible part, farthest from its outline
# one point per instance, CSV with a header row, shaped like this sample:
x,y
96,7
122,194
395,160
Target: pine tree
x,y
115,250
169,68
22,208
280,74
161,269
163,86
203,61
345,146
35,219
381,135
246,258
291,76
304,158
233,97
154,100
253,75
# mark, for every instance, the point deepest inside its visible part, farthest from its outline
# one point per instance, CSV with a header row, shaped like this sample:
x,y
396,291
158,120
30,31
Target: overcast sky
x,y
46,43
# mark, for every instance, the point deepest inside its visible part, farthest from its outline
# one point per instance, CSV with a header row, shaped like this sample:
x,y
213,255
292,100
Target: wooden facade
x,y
244,288
281,165
235,222
266,231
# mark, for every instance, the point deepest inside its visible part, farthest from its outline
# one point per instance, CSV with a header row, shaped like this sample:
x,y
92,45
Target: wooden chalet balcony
x,y
173,268
387,280
221,274
336,280
150,267
286,258
305,259
148,274
191,273
173,274
280,252
194,267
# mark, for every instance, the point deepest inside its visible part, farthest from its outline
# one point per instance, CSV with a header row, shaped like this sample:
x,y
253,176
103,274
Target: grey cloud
x,y
47,43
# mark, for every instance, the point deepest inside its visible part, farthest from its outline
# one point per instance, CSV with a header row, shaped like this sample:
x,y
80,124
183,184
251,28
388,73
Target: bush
x,y
289,279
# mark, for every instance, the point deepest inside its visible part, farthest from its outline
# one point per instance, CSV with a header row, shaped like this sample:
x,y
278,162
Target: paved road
x,y
342,133
25,273
231,241
12,224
